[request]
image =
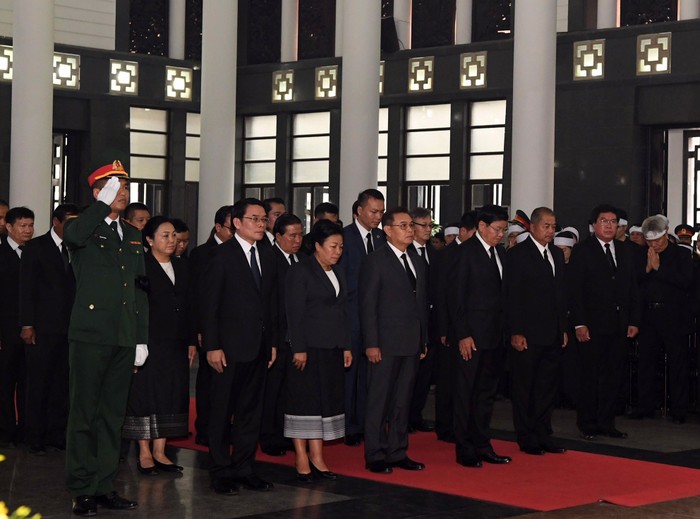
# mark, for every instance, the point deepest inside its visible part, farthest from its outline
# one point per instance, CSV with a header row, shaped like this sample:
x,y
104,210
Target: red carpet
x,y
543,483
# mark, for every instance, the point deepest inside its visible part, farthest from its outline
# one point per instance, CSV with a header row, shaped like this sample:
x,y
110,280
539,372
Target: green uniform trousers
x,y
100,377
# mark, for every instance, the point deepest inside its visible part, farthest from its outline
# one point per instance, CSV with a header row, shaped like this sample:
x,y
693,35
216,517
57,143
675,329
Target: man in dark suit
x,y
605,311
444,265
47,288
19,226
537,307
288,237
4,207
137,214
362,237
240,336
393,296
199,261
477,313
108,326
323,211
274,208
667,310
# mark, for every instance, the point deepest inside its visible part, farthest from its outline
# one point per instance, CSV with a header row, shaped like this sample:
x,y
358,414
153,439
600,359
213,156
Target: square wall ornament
x,y
589,60
282,86
178,83
6,60
123,77
66,70
421,72
472,70
326,82
381,78
654,54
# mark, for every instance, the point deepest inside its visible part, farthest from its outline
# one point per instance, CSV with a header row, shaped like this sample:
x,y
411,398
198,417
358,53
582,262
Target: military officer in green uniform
x,y
107,334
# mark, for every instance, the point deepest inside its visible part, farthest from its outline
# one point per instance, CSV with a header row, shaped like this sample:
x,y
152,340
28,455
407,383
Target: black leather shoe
x,y
532,449
447,437
167,467
614,433
253,482
640,415
492,457
587,435
423,426
114,501
408,464
469,462
273,451
324,474
553,448
85,506
146,471
353,440
37,450
378,467
305,478
225,487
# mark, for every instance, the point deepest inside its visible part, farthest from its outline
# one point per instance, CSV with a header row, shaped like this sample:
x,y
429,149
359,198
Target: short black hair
x,y
388,218
285,221
180,225
365,195
17,213
63,211
239,208
491,213
221,214
149,230
3,202
267,203
325,208
421,212
355,205
468,221
324,229
540,213
602,208
131,209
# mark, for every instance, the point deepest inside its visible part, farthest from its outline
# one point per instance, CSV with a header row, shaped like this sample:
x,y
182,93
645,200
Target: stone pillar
x,y
402,18
463,22
177,16
689,9
32,109
360,101
339,28
534,82
607,14
218,109
290,30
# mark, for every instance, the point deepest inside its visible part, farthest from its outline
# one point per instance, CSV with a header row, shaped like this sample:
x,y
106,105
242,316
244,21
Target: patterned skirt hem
x,y
314,427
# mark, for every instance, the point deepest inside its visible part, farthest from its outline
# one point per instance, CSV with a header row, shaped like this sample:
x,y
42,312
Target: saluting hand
x,y
217,360
467,347
109,192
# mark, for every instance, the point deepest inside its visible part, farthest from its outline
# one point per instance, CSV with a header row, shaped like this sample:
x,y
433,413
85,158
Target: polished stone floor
x,y
38,481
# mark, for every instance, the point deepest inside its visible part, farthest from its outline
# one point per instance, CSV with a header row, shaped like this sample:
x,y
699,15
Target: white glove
x,y
108,193
141,354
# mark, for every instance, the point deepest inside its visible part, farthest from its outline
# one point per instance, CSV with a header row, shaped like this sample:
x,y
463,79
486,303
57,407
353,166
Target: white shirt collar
x,y
12,243
56,238
363,231
244,244
483,243
270,237
539,246
218,240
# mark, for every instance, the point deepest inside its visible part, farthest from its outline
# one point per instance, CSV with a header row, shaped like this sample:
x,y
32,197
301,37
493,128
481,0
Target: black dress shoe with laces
x,y
114,501
466,461
492,457
253,482
85,506
408,464
225,487
378,467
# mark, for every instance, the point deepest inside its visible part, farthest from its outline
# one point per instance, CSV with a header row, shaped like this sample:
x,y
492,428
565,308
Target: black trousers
x,y
12,388
236,393
272,427
47,389
656,336
601,362
424,377
476,385
534,378
446,368
356,387
201,394
390,386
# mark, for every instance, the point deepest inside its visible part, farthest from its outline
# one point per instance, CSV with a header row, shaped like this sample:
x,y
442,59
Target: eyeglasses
x,y
231,229
403,225
499,230
423,225
605,221
258,219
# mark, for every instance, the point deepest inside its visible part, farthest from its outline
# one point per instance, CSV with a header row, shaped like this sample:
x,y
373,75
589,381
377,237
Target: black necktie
x,y
292,259
546,260
115,227
608,254
409,272
255,269
370,248
492,250
424,254
64,255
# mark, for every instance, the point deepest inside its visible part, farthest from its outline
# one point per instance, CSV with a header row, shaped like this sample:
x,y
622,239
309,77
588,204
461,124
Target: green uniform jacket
x,y
109,308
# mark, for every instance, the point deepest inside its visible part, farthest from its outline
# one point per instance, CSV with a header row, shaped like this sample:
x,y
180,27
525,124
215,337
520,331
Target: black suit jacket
x,y
393,318
9,281
47,288
316,317
476,297
282,268
433,270
198,261
237,317
604,301
354,253
536,299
